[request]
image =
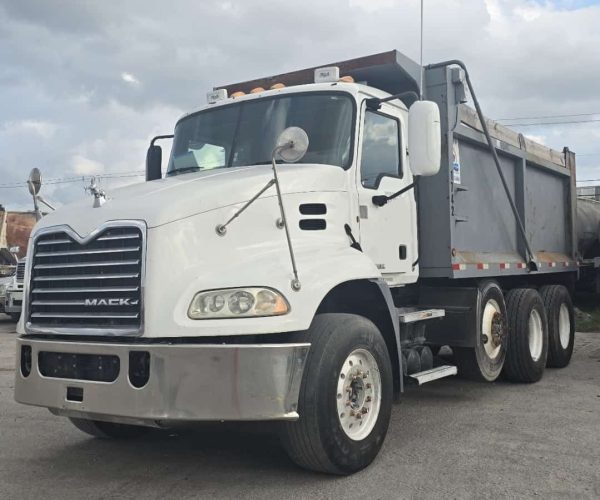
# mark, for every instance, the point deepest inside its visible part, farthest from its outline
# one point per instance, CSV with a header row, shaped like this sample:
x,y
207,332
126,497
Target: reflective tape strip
x,y
504,265
551,264
459,267
566,264
481,265
521,265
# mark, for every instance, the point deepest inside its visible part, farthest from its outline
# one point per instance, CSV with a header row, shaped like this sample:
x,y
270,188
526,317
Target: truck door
x,y
387,233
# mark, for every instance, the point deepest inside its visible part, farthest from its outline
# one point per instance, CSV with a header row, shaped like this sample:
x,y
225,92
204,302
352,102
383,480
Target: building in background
x,y
15,228
591,192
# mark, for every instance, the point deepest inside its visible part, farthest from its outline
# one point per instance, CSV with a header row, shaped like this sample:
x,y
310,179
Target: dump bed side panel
x,y
467,227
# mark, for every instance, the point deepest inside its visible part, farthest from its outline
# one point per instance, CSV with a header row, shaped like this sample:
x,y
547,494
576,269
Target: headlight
x,y
238,303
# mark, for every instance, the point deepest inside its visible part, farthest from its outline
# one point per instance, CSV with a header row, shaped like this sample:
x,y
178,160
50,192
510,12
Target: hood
x,y
173,198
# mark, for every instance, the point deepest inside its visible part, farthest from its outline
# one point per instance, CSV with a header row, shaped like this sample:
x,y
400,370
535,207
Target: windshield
x,y
245,133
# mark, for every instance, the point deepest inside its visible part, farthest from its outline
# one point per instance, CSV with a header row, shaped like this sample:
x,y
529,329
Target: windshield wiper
x,y
267,162
184,170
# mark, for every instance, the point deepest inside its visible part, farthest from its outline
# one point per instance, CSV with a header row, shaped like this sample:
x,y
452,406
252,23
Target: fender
x,y
389,301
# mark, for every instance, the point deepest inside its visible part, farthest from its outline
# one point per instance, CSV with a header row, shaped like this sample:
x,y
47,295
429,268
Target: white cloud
x,y
528,13
41,128
84,166
372,5
129,78
536,138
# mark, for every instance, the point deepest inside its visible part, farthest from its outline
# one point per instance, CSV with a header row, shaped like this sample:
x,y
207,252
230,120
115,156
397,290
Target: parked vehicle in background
x,y
14,292
588,235
4,282
327,233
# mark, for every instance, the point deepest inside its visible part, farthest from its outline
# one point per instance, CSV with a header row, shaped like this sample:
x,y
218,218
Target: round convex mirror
x,y
292,144
34,183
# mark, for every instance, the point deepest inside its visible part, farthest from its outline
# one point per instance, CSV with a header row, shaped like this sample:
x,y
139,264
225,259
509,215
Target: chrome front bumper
x,y
189,382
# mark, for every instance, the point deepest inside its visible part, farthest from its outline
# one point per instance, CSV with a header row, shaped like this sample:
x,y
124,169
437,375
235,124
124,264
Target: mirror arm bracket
x,y
169,136
375,103
382,199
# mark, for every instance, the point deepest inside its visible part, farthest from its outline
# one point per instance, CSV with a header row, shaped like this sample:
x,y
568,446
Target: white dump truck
x,y
317,237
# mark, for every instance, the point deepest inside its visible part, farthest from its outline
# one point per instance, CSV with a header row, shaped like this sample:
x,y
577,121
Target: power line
x,y
548,123
544,117
82,178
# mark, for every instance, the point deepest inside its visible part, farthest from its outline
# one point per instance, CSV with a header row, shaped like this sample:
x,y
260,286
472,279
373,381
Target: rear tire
x,y
484,362
108,430
336,388
561,325
528,336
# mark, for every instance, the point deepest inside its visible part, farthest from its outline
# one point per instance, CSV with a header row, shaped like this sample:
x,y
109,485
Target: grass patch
x,y
587,313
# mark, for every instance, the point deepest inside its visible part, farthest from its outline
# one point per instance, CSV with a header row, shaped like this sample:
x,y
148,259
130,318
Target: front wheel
x,y
345,399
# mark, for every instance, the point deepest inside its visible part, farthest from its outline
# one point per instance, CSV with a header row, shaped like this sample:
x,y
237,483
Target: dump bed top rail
x,y
468,116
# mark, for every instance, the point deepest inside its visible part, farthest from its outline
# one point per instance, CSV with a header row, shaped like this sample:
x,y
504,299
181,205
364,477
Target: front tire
x,y
108,430
528,336
345,399
561,325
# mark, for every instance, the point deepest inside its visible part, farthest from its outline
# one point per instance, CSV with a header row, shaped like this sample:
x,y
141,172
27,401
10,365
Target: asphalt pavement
x,y
449,439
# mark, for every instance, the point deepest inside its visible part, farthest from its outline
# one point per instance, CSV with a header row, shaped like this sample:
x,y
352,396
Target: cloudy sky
x,y
85,84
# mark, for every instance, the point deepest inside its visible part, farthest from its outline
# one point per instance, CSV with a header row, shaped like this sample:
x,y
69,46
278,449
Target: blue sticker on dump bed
x,y
455,163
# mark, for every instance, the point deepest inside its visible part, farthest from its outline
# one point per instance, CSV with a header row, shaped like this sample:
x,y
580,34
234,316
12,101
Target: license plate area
x,y
90,367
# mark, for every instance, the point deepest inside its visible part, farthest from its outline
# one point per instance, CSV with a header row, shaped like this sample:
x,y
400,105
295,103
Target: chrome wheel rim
x,y
491,329
564,326
358,396
535,333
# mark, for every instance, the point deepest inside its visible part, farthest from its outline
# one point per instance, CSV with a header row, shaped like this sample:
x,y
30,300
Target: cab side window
x,y
380,149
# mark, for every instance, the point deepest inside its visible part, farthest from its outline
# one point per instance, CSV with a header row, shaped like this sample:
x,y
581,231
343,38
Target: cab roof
x,y
355,89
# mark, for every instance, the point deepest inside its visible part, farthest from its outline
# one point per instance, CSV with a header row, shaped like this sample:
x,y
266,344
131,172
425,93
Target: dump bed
x,y
467,227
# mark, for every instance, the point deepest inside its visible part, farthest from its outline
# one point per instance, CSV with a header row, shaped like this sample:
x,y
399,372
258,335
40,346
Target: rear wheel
x,y
108,430
561,324
528,336
484,362
345,399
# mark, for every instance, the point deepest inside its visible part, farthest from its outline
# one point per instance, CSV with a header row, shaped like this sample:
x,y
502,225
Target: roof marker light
x,y
276,86
237,94
329,74
216,95
257,90
347,79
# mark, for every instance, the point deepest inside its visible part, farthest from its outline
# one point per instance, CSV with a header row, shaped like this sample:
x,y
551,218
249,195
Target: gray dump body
x,y
467,228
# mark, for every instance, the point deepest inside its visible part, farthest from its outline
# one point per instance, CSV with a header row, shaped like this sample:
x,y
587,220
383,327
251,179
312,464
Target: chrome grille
x,y
95,284
20,271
